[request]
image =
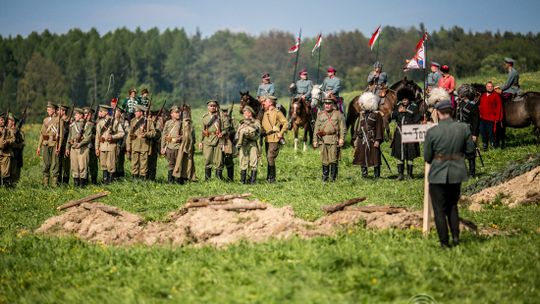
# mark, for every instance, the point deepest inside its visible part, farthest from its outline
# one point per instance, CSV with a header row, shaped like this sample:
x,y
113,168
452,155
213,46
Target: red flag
x,y
419,59
374,37
317,44
295,47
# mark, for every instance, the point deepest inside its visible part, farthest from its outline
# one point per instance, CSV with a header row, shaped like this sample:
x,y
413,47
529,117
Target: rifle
x,y
23,116
477,151
146,116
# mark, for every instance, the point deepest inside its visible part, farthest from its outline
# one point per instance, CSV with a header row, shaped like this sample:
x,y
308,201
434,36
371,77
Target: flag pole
x,y
297,54
319,61
378,43
427,210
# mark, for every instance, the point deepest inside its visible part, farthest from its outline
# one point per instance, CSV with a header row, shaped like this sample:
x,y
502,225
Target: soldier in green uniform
x,y
64,161
274,125
155,143
7,138
141,132
445,148
108,132
229,149
92,156
79,138
171,139
18,148
48,137
330,130
368,135
184,168
301,90
247,143
215,128
121,144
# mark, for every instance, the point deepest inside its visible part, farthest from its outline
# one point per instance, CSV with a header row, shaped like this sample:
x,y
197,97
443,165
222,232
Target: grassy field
x,y
356,266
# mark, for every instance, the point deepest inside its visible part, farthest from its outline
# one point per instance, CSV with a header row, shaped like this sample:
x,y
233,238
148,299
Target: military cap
x,y
51,105
119,109
377,65
331,70
509,60
87,110
104,108
212,101
145,90
445,69
302,72
329,100
224,110
272,98
266,76
443,104
175,109
435,64
249,109
140,108
78,110
64,107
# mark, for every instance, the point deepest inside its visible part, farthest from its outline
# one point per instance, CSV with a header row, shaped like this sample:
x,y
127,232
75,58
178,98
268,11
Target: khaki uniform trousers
x,y
248,157
139,163
328,154
79,162
107,160
213,156
51,165
171,155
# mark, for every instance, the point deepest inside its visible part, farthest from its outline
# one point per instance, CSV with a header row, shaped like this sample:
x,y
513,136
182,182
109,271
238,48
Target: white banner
x,y
415,133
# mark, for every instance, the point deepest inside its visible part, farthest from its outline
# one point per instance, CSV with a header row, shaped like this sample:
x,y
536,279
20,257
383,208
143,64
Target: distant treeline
x,y
75,67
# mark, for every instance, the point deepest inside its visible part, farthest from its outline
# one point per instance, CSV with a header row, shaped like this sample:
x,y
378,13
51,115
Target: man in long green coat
x,y
214,131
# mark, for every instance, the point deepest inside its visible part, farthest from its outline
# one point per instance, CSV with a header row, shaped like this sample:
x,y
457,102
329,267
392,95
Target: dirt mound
x,y
209,225
521,190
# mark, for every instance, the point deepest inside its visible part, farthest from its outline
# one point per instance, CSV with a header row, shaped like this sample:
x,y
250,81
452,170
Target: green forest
x,y
75,67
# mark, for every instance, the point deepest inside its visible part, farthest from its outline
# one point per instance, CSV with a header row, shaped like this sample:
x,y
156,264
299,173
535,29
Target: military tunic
x,y
64,161
331,85
266,89
171,139
107,147
17,160
79,138
184,167
303,87
368,128
7,138
274,126
214,124
155,144
511,85
139,141
49,134
433,79
247,141
330,130
121,148
379,81
405,151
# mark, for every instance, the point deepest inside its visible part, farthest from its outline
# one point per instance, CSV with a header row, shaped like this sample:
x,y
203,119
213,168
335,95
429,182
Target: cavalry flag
x,y
374,37
419,59
317,44
295,47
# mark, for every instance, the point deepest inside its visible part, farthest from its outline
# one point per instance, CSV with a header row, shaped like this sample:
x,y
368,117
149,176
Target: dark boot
x,y
410,171
325,173
472,167
333,172
230,173
400,169
377,171
170,178
65,180
253,178
135,177
75,182
180,181
83,182
105,177
110,178
364,172
207,173
272,174
243,177
219,173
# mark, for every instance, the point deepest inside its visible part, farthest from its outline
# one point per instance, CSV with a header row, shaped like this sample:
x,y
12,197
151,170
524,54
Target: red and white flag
x,y
317,44
419,59
374,37
295,47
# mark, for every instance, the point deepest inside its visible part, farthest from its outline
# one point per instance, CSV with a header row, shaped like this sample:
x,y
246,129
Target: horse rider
x,y
266,88
511,87
433,77
445,146
274,126
405,113
467,112
331,86
247,137
214,131
368,135
447,82
48,137
377,79
330,130
301,89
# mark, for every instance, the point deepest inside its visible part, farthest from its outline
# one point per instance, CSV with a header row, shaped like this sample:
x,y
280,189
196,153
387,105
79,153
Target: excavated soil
x,y
521,190
101,223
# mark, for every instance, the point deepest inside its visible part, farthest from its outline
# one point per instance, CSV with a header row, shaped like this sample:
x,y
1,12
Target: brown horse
x,y
301,118
247,100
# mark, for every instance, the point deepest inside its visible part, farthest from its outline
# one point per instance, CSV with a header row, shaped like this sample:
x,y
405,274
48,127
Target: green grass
x,y
356,266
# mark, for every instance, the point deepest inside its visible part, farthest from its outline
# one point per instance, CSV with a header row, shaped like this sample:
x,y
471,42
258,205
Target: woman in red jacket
x,y
448,83
491,115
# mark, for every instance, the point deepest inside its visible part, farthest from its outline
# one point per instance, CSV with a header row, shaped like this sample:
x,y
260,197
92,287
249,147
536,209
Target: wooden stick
x,y
77,202
235,200
224,197
240,206
371,209
108,209
341,206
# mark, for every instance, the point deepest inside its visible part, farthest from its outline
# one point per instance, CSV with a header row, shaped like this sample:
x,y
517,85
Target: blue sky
x,y
24,16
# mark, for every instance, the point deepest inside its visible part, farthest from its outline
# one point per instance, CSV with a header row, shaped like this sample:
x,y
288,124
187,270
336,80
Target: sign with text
x,y
415,133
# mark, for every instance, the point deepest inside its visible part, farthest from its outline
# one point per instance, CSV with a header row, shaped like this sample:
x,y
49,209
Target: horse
x,y
247,100
402,89
301,118
519,112
317,97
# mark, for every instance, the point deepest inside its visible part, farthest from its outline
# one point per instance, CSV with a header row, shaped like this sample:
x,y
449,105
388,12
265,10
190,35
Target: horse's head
x,y
406,88
244,100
